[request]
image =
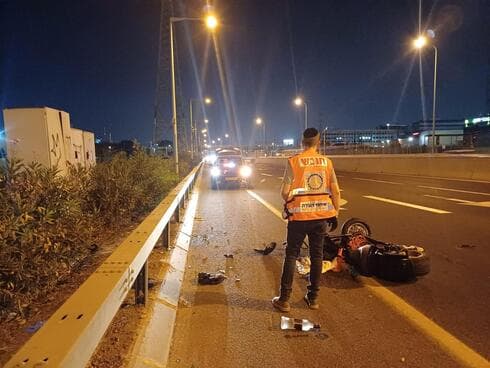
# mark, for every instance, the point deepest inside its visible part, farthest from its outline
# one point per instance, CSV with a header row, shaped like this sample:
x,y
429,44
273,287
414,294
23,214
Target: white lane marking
x,y
478,204
266,204
448,199
455,190
378,181
450,343
262,180
405,204
265,174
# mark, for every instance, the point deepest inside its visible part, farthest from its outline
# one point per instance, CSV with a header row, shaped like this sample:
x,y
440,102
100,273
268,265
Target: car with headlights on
x,y
231,170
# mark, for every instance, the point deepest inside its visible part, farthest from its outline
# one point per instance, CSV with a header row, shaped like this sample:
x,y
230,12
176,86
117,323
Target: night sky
x,y
351,59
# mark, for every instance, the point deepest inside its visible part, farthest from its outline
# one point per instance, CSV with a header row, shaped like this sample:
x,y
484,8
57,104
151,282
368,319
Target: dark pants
x,y
297,231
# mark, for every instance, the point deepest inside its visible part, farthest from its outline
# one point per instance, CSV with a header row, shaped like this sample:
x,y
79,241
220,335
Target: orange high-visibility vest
x,y
310,189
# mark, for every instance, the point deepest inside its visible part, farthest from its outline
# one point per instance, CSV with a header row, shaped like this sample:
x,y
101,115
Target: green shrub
x,y
47,221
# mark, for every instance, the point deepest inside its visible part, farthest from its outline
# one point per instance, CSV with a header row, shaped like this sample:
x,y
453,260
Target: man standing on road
x,y
312,195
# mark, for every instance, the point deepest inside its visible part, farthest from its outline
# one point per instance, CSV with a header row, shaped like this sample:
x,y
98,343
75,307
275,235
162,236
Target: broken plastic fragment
x,y
297,324
205,278
303,265
228,255
36,326
267,249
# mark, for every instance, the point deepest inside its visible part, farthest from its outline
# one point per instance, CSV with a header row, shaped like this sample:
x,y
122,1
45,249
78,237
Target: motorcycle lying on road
x,y
355,250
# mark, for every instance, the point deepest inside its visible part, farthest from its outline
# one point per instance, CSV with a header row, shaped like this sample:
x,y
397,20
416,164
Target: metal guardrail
x,y
72,333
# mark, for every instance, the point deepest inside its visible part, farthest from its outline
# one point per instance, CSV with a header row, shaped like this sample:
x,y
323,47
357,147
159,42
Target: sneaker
x,y
281,305
312,303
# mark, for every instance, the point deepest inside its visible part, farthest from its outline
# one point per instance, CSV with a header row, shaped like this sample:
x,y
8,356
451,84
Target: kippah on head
x,y
310,133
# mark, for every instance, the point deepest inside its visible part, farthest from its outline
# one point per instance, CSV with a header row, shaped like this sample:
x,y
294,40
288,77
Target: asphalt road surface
x,y
441,320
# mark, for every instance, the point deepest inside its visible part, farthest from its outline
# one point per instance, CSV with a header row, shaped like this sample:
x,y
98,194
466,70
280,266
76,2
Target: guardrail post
x,y
165,237
141,286
177,212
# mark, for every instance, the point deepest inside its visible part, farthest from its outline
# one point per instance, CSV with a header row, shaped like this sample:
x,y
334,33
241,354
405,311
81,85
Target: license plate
x,y
231,178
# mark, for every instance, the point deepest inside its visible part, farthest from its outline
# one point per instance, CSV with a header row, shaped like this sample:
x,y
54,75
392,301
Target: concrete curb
x,y
152,347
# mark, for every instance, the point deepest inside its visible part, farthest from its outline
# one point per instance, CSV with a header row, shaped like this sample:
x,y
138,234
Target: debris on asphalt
x,y
289,323
36,326
205,278
228,255
267,249
402,359
469,246
183,302
237,279
303,265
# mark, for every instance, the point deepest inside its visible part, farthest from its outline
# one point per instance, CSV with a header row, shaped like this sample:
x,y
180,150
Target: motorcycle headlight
x,y
215,171
245,171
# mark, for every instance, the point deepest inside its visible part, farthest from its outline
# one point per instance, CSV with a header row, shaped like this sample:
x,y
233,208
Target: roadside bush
x,y
48,221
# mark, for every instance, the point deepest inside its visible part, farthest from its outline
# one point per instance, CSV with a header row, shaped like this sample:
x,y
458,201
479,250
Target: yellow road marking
x,y
449,343
456,348
454,190
405,204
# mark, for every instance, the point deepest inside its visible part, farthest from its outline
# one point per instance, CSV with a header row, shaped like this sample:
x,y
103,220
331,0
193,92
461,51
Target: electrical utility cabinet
x,y
89,148
42,135
77,146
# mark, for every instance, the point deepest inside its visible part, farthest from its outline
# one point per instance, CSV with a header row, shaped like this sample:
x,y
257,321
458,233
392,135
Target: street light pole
x,y
306,114
174,101
192,128
434,101
211,24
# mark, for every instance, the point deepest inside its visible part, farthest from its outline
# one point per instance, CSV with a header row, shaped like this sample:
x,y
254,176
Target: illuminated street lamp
x,y
298,101
206,121
419,43
207,101
211,23
260,122
226,135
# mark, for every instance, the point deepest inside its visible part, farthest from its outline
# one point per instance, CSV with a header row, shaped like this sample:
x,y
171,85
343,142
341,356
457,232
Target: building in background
x,y
44,135
477,132
448,132
368,137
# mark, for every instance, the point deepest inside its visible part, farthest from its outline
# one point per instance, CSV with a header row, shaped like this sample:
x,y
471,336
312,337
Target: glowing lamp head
x,y
298,101
419,42
211,22
258,121
207,101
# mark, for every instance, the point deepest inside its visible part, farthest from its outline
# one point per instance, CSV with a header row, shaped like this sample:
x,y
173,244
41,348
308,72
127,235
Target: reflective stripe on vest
x,y
310,188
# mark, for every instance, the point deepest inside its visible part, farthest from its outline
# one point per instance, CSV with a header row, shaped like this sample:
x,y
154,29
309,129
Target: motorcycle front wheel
x,y
355,226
